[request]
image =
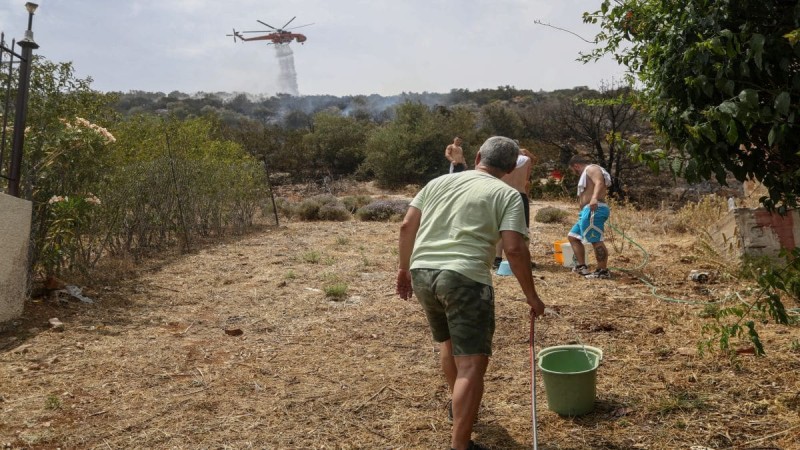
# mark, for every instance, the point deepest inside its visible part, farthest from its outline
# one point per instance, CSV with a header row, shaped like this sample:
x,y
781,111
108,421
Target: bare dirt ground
x,y
238,346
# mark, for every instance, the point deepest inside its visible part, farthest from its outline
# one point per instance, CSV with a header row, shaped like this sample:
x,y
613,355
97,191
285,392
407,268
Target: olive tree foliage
x,y
499,119
282,151
336,143
410,149
720,79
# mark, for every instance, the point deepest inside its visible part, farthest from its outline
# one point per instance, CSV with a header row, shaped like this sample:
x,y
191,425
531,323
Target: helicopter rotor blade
x,y
287,23
234,34
265,23
301,26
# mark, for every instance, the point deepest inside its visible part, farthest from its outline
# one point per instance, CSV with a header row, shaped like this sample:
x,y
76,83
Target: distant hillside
x,y
232,106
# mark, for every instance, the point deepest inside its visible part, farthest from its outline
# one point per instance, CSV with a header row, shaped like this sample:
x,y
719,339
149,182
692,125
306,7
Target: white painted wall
x,y
15,230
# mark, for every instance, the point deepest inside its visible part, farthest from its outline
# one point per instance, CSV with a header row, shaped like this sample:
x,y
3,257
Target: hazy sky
x,y
354,47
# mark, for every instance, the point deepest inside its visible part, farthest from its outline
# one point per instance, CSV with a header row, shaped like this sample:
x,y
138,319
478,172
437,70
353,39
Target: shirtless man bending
x,y
455,154
592,188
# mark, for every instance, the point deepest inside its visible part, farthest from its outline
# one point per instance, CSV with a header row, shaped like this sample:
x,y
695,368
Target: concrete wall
x,y
756,232
15,230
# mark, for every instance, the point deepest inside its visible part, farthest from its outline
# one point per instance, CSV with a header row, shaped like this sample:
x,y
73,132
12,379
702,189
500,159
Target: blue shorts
x,y
590,226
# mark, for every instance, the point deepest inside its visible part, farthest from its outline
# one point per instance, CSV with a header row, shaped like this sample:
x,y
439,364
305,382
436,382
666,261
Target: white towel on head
x,y
582,180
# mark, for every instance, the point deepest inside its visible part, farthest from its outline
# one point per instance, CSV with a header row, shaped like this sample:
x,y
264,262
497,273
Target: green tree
x,y
501,120
281,151
410,149
336,143
719,78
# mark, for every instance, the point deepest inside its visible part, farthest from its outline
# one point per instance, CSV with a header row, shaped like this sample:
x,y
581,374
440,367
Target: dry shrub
x,y
549,214
697,216
283,205
629,223
321,207
383,210
307,209
353,202
334,213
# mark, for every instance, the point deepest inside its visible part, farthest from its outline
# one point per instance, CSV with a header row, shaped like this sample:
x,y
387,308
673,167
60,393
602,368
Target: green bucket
x,y
570,377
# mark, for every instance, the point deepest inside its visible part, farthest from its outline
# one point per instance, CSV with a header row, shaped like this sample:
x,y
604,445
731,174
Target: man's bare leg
x,y
578,250
467,394
448,363
601,254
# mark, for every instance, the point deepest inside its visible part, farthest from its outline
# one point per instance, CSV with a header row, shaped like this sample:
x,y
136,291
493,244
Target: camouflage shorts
x,y
457,308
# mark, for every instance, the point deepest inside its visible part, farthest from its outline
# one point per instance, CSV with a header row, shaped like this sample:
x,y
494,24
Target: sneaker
x,y
602,274
497,261
581,269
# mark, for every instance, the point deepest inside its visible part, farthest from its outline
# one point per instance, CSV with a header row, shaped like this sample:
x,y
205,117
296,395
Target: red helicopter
x,y
277,36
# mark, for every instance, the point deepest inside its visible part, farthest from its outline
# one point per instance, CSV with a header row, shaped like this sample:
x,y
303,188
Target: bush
x,y
155,184
284,207
382,210
321,207
337,291
551,215
307,209
334,213
354,202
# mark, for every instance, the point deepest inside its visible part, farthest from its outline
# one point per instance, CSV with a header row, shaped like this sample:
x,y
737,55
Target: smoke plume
x,y
287,79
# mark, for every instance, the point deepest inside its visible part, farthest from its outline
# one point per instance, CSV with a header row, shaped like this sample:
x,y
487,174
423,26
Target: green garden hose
x,y
645,260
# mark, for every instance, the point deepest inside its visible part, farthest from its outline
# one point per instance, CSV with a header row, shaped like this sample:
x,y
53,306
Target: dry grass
x,y
158,362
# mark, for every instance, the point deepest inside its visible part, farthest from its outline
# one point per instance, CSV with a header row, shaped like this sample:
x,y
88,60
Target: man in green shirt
x,y
446,248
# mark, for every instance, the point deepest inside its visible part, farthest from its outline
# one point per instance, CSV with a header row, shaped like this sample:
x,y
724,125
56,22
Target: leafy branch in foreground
x,y
719,82
772,283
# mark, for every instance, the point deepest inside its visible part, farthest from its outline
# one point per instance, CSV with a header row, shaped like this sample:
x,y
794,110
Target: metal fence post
x,y
21,110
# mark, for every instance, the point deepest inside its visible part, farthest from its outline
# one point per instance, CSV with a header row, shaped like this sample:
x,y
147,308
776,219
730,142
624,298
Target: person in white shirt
x,y
519,179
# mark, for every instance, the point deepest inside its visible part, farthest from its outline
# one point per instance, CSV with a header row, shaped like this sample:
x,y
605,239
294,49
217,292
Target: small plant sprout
x,y
663,352
52,402
336,291
311,257
365,260
680,401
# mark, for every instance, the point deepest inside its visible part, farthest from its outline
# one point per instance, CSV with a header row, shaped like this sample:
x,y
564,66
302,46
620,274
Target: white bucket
x,y
564,254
